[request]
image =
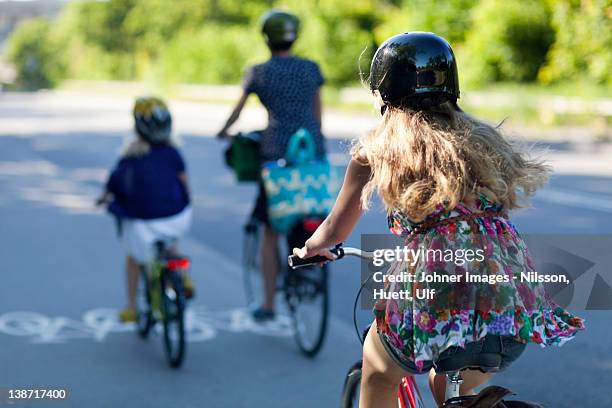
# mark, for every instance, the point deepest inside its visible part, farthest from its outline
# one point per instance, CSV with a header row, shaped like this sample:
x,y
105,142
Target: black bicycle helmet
x,y
152,119
280,29
416,70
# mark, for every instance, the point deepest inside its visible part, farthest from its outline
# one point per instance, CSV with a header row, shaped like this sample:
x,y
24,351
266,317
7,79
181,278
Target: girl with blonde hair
x,y
447,181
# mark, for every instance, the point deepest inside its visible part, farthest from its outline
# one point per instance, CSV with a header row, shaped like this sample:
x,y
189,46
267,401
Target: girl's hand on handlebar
x,y
306,252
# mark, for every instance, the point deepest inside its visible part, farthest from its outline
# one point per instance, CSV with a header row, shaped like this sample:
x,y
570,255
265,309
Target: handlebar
x,y
296,262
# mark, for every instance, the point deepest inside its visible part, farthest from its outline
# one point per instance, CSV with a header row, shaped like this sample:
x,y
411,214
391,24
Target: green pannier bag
x,y
242,156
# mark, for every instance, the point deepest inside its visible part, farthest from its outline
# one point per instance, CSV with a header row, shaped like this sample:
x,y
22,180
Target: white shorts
x,y
139,236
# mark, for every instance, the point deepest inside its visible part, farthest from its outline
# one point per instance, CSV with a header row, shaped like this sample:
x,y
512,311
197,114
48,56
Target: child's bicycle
x,y
408,394
162,297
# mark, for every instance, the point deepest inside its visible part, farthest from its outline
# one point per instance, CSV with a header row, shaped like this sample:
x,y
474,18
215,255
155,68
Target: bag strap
x,y
300,148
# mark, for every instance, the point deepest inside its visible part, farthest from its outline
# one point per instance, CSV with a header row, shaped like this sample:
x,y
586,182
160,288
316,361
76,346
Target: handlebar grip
x,y
295,261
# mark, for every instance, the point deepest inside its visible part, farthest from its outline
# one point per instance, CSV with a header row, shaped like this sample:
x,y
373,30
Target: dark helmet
x,y
153,120
416,70
280,29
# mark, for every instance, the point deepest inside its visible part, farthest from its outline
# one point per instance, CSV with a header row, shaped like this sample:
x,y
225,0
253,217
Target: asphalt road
x,y
62,277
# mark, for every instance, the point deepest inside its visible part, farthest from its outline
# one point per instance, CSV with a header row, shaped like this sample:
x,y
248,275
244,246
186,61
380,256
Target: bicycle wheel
x,y
308,302
173,301
350,391
251,272
144,320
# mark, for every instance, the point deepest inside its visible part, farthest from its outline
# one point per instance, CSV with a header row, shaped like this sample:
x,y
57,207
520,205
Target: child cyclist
x,y
147,192
447,180
288,87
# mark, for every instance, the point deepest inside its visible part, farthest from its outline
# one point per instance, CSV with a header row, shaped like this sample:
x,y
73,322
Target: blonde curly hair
x,y
420,160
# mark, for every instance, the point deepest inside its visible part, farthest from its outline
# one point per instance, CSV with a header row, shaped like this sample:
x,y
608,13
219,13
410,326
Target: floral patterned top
x,y
421,329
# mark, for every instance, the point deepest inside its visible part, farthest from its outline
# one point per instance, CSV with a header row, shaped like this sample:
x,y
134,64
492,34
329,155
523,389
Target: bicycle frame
x,y
409,393
155,271
164,295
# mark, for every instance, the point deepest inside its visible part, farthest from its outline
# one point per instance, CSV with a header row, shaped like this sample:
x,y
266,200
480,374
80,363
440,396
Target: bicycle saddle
x,y
461,360
492,396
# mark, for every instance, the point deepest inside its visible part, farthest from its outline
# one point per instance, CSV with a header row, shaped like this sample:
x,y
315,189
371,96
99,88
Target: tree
x,y
507,41
582,42
33,50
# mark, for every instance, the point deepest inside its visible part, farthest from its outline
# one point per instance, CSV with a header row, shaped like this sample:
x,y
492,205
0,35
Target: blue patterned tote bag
x,y
299,186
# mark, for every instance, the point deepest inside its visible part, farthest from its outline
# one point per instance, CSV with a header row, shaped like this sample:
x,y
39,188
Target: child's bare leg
x,y
132,270
471,379
380,375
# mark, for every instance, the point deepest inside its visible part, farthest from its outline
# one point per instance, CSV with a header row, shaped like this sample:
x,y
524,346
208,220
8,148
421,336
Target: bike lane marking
x,y
98,324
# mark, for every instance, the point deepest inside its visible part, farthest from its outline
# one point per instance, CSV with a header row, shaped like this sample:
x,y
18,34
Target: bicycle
x,y
305,291
162,297
408,394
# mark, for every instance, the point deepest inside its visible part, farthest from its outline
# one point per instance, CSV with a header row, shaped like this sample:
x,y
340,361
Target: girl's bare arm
x,y
343,217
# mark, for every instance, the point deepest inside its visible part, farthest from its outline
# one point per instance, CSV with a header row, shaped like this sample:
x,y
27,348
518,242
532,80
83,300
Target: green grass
x,y
520,104
587,91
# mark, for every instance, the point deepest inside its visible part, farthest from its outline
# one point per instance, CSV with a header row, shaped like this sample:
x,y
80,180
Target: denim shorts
x,y
509,348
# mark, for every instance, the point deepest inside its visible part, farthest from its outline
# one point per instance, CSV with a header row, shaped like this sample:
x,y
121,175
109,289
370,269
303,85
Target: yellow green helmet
x,y
152,119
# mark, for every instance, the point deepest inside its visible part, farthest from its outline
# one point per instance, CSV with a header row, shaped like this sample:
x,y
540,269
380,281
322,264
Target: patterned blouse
x,y
421,329
286,86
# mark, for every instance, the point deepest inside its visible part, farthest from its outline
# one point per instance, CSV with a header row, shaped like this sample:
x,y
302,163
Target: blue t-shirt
x,y
286,86
148,186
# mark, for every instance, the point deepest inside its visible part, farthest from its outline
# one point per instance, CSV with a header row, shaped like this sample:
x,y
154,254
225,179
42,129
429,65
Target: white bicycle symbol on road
x,y
97,324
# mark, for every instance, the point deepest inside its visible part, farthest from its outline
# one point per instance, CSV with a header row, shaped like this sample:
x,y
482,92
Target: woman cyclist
x,y
147,192
447,181
288,87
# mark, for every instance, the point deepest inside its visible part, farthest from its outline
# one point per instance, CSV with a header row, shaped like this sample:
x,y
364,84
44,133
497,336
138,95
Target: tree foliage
x,y
211,41
33,50
507,41
582,51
